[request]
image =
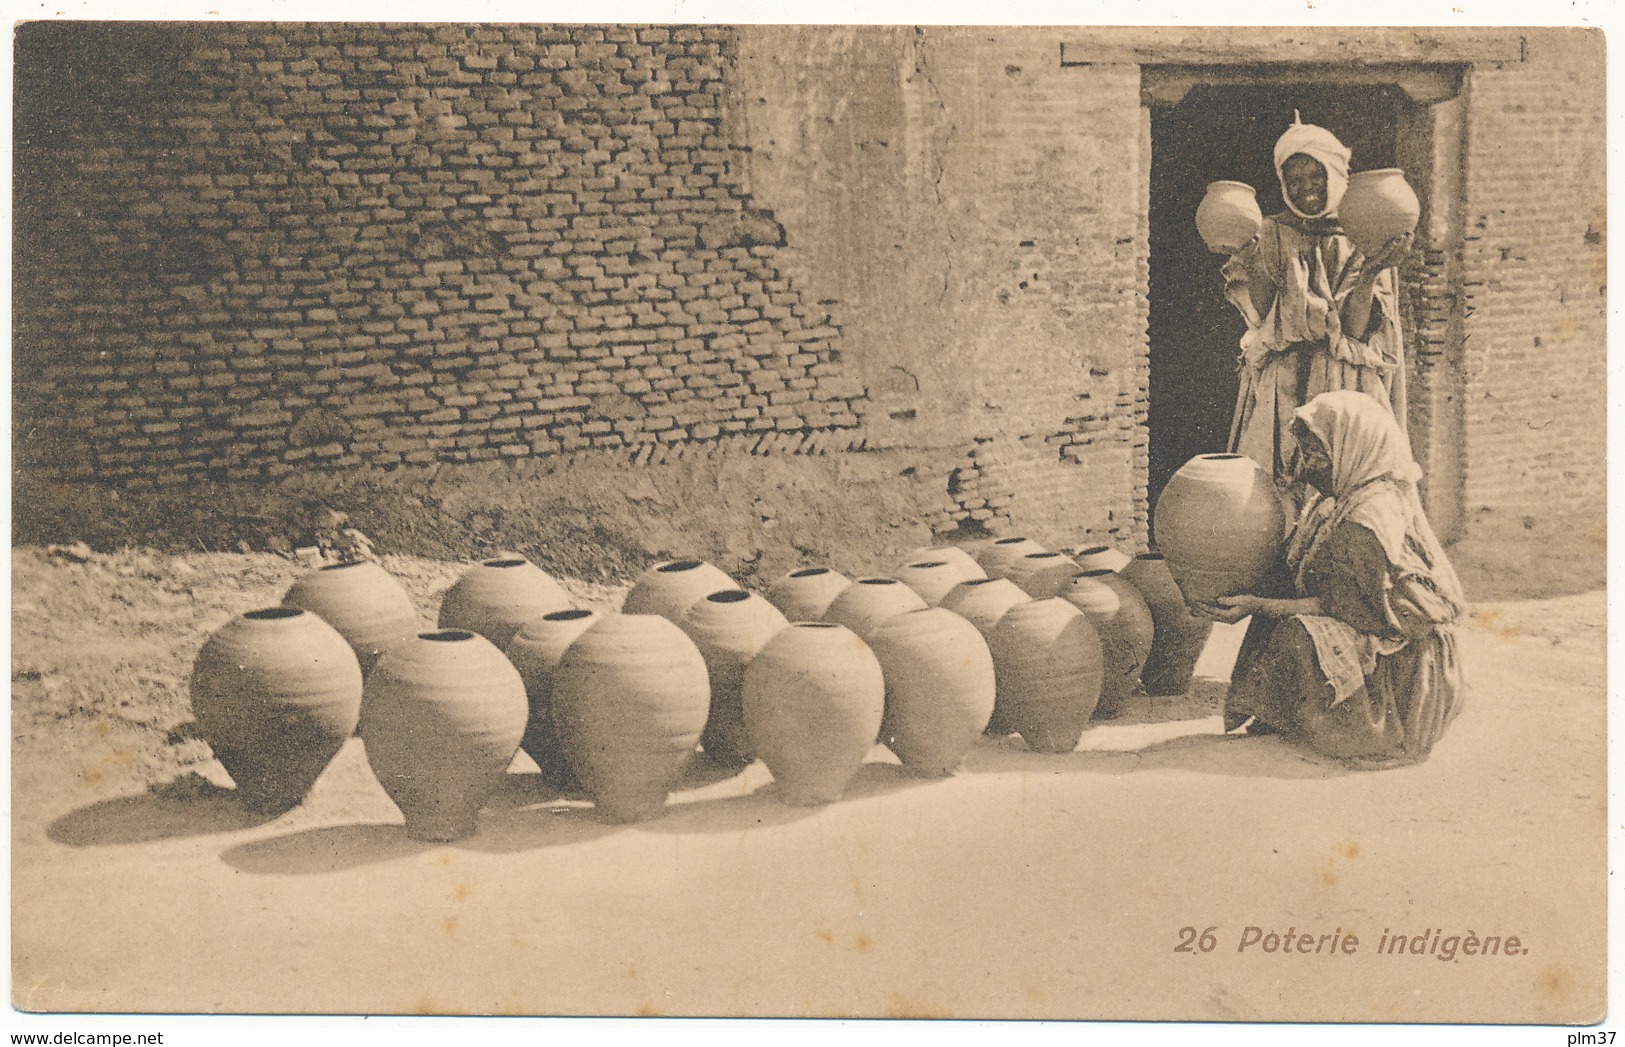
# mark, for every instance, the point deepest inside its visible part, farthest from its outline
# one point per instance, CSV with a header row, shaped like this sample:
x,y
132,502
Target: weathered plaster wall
x,y
975,213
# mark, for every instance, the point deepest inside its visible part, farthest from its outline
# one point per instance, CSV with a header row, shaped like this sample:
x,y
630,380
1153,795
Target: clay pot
x,y
869,601
441,719
939,688
983,601
931,580
630,698
806,593
998,556
1378,206
729,627
814,696
670,588
535,651
1043,575
1120,616
1220,524
495,597
1228,216
952,555
1179,635
1049,668
275,692
364,602
1101,558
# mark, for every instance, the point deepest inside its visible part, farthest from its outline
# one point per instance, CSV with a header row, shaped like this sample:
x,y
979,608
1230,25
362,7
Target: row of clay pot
x,y
443,712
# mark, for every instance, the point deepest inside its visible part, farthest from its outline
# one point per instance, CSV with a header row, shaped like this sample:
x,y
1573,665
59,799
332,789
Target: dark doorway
x,y
1226,132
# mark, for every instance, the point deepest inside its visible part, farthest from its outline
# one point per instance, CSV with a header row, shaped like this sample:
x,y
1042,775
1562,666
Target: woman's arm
x,y
1248,282
1232,609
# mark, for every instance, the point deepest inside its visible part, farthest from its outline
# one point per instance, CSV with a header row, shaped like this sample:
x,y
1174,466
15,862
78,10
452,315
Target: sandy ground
x,y
1026,886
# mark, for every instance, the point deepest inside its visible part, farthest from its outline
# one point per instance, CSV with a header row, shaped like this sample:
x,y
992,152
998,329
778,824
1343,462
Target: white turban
x,y
1318,144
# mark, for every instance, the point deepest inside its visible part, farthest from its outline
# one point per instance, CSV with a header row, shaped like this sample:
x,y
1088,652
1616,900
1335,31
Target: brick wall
x,y
245,250
1534,354
976,214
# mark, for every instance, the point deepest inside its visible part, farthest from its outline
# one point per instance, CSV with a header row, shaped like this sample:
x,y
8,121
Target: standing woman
x,y
1360,661
1320,316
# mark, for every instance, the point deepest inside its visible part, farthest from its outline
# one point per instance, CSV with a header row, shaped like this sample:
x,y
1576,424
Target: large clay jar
x,y
1378,206
1180,635
364,602
495,597
998,556
1228,216
952,555
869,601
1049,667
729,627
1219,523
535,651
1043,575
630,698
931,580
275,693
983,601
805,594
1120,616
441,719
670,588
939,688
1101,558
814,697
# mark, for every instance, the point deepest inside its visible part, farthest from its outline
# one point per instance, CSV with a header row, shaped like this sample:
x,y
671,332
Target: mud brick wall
x,y
250,249
976,214
1535,365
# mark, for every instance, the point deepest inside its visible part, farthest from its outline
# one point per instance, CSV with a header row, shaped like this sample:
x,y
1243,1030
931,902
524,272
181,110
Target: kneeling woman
x,y
1360,661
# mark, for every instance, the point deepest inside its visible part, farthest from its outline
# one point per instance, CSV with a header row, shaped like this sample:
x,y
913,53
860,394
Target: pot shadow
x,y
1238,756
190,805
507,830
329,849
762,807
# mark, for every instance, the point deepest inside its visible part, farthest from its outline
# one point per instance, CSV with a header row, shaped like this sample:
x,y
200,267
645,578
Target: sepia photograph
x,y
708,518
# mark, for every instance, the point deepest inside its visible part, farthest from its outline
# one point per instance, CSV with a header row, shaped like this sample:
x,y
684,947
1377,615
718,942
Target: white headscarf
x,y
1374,482
1319,144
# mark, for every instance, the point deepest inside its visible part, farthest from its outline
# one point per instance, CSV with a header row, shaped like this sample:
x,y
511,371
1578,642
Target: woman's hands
x,y
1388,255
1231,609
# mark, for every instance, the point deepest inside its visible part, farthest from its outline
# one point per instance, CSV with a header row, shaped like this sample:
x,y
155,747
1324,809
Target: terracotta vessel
x,y
1228,216
931,580
535,651
275,692
1043,575
1101,558
630,699
441,719
670,588
1120,616
998,556
814,696
1179,635
495,597
1049,666
364,602
1220,524
869,601
939,688
982,602
729,627
952,555
1378,206
803,595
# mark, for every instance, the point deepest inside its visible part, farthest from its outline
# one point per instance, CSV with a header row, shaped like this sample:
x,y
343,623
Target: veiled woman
x,y
1360,661
1320,316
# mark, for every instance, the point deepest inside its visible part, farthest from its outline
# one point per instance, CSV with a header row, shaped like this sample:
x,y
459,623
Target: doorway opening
x,y
1227,132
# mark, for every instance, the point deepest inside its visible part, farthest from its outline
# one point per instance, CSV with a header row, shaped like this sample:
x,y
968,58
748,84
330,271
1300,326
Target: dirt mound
x,y
595,517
